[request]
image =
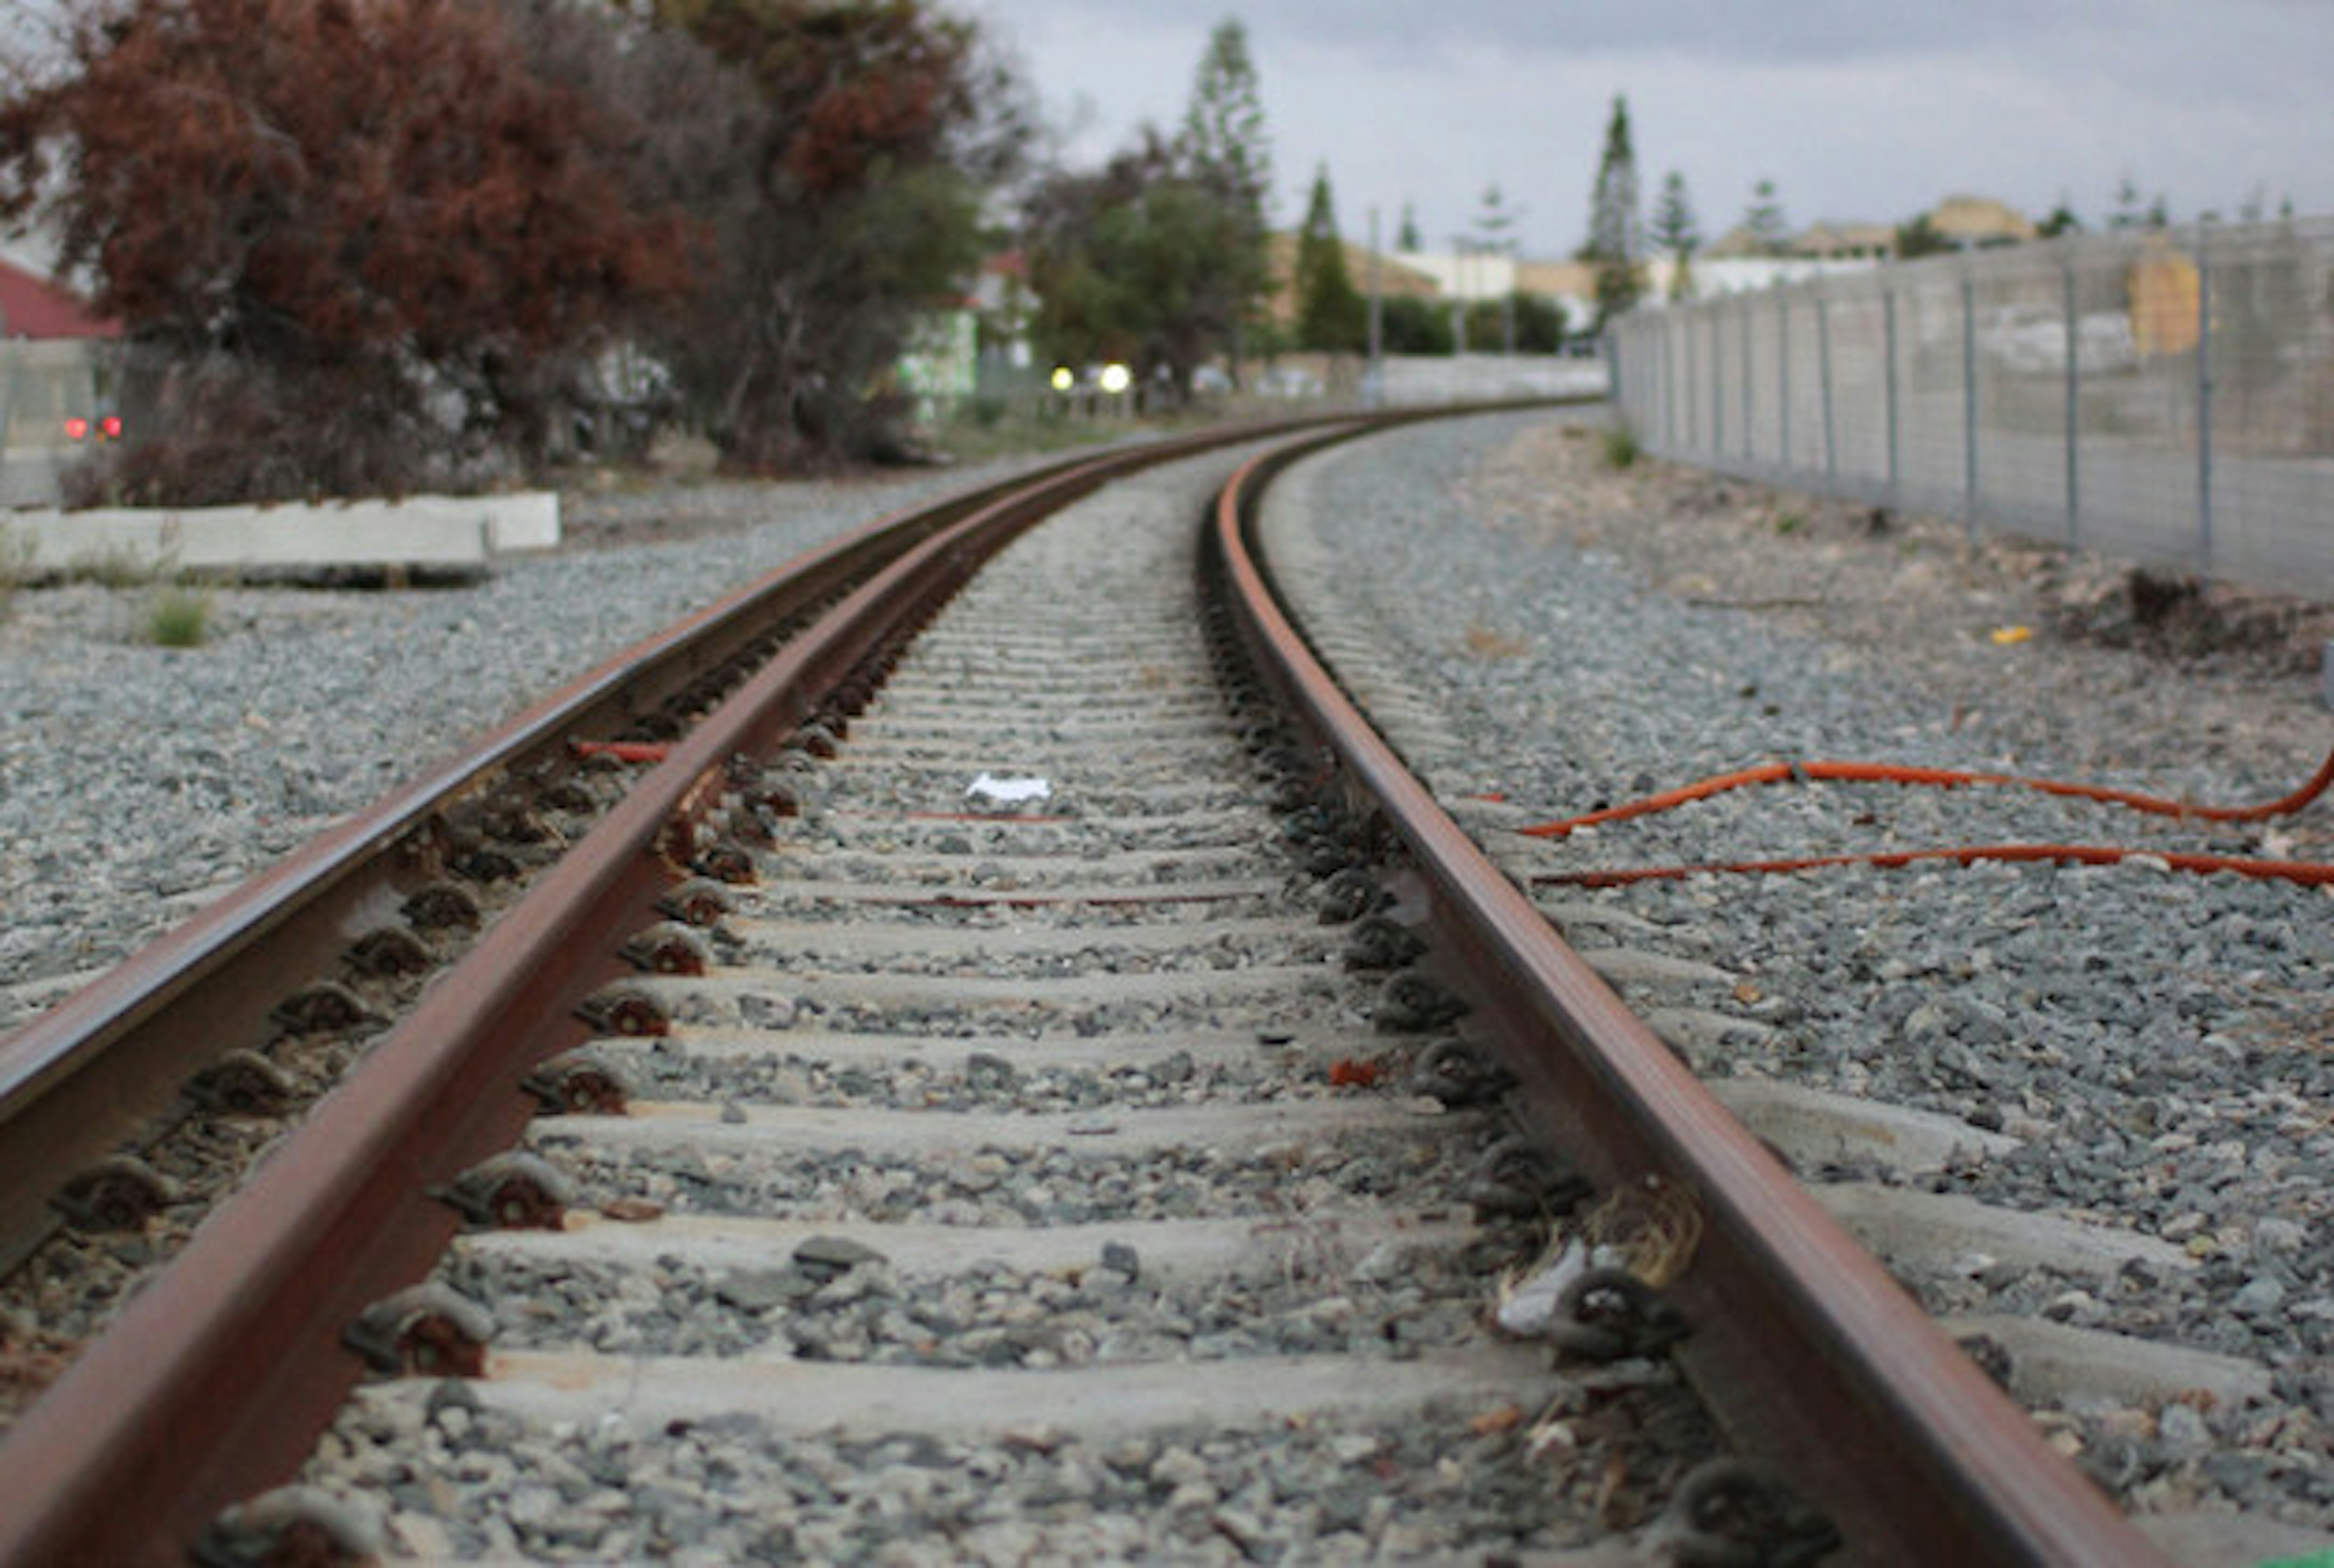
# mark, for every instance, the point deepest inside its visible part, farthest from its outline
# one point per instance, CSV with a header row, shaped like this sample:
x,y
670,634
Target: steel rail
x,y
215,1380
1803,1343
111,1058
76,1080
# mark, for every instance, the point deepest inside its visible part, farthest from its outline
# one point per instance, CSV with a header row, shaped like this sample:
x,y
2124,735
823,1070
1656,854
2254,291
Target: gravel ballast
x,y
138,782
2159,1043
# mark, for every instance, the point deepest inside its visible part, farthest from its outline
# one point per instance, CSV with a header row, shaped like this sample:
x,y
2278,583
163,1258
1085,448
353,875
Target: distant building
x,y
34,308
1971,222
1846,242
1396,277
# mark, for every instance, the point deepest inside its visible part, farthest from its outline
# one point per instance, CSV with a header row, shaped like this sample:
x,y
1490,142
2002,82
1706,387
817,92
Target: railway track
x,y
961,1133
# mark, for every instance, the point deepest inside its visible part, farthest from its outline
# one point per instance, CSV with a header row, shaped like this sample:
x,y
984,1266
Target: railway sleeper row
x,y
1053,1179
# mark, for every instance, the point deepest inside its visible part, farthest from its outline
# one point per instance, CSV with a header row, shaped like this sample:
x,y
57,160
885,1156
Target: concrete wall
x,y
433,533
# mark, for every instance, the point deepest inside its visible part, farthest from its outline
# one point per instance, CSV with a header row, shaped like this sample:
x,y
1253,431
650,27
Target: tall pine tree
x,y
1331,314
1230,157
1614,241
1676,235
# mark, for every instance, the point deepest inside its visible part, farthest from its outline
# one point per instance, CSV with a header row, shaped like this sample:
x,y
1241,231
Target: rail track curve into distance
x,y
974,1043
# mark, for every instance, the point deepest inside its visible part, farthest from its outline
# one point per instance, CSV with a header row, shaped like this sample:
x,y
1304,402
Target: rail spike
x,y
294,1527
1726,1513
514,1191
1609,1314
242,1083
628,1010
578,1082
668,947
120,1192
424,1330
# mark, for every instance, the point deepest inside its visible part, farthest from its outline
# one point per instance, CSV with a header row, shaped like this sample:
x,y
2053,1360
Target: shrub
x,y
1621,448
178,617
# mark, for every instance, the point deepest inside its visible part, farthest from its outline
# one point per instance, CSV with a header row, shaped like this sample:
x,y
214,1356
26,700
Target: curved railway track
x,y
899,1153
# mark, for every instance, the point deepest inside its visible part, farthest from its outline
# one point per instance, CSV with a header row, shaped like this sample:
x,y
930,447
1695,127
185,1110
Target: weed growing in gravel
x,y
178,617
1621,448
115,567
15,566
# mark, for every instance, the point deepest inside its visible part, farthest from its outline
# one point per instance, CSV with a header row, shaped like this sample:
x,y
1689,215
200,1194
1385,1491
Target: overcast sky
x,y
1857,110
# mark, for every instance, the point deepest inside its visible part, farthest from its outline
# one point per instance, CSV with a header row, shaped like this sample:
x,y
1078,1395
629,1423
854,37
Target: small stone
x,y
768,1012
830,1257
2183,1430
1120,1257
2275,1235
2260,1296
1178,1468
757,1290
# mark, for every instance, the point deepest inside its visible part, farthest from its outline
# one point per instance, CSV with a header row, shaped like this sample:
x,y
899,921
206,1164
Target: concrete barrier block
x,y
435,533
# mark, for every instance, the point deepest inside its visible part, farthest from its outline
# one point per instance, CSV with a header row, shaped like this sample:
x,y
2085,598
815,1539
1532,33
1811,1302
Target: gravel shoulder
x,y
2156,1044
138,782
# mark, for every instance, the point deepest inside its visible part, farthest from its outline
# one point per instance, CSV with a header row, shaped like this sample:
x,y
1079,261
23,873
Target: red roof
x,y
33,307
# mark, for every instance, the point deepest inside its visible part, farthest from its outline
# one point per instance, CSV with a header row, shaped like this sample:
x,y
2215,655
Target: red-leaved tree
x,y
864,136
357,245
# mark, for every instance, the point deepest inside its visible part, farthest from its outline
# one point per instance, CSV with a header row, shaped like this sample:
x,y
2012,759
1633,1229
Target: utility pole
x,y
1373,377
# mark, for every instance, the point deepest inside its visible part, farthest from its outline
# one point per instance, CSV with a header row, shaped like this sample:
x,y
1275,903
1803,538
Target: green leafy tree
x,y
1675,233
1159,258
1412,324
1918,236
860,141
1406,240
1128,265
1763,221
1534,323
1614,241
2060,221
1331,314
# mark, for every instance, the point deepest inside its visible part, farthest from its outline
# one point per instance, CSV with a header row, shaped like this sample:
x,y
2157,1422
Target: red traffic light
x,y
77,428
110,427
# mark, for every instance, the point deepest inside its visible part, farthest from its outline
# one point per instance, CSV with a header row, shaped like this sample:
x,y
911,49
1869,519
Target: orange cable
x,y
2307,873
1935,777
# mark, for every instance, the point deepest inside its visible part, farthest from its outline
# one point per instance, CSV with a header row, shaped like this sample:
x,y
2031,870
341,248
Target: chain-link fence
x,y
2166,395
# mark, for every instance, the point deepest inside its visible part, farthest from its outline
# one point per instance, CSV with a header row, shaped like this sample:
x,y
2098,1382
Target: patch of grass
x,y
115,567
1789,523
15,566
1621,448
990,428
178,617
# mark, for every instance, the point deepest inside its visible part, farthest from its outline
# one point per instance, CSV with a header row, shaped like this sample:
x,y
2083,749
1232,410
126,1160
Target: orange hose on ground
x,y
1933,778
2307,873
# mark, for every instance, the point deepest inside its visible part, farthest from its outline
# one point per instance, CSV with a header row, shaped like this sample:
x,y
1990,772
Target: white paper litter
x,y
1007,792
1529,1306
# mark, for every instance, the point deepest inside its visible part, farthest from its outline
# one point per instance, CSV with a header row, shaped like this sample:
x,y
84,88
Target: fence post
x,y
2204,399
1783,379
1968,407
2073,397
1717,383
1823,377
1749,441
1888,375
1670,423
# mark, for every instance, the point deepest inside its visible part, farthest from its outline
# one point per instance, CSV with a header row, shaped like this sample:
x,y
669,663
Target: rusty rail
x,y
79,1078
1804,1345
214,1382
